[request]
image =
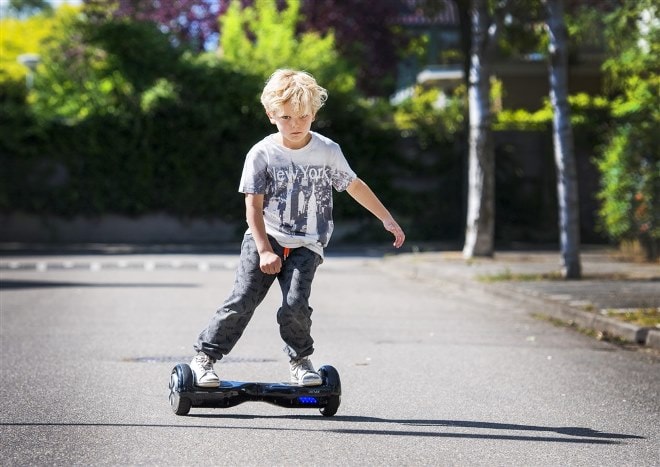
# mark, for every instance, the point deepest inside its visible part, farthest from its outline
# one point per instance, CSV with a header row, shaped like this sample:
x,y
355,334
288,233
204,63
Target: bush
x,y
630,161
159,135
431,171
630,187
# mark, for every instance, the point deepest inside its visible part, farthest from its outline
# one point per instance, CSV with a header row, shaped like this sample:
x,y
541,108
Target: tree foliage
x,y
630,163
262,38
24,36
366,34
128,117
193,23
76,78
420,115
124,120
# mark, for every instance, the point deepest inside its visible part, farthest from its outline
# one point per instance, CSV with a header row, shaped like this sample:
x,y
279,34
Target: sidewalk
x,y
597,304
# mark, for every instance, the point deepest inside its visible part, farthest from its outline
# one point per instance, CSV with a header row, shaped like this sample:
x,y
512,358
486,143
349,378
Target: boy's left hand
x,y
396,230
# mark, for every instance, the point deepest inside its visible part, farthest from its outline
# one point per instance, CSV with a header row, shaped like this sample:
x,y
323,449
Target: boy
x,y
287,180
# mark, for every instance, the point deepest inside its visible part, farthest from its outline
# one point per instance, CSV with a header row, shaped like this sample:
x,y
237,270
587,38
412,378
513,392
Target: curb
x,y
646,337
611,327
653,338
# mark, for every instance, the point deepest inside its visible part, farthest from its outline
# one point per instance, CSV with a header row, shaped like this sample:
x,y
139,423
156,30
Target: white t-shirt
x,y
297,187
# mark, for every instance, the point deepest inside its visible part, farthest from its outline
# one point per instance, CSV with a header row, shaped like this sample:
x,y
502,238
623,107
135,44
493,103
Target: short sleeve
x,y
253,178
342,175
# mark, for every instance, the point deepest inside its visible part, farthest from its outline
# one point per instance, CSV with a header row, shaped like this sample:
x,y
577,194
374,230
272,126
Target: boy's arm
x,y
269,262
361,193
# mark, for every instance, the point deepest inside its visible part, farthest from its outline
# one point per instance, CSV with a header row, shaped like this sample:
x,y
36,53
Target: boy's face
x,y
293,127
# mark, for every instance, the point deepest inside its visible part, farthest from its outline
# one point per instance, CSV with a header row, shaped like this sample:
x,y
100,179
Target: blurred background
x,y
129,120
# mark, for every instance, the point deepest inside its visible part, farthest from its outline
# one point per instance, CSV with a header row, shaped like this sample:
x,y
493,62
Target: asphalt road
x,y
432,373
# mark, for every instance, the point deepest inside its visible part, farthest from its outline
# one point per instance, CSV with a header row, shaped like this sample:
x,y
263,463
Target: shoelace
x,y
205,362
302,365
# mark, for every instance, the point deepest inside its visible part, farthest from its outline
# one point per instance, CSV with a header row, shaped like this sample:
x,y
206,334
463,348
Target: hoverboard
x,y
184,394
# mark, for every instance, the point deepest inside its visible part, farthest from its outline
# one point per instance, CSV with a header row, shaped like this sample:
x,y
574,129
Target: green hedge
x,y
181,156
168,131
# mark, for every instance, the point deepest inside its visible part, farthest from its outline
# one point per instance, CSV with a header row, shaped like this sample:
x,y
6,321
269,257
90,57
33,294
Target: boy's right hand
x,y
270,263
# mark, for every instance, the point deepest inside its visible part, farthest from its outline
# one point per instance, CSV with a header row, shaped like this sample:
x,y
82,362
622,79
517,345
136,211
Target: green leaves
x,y
630,161
260,39
124,120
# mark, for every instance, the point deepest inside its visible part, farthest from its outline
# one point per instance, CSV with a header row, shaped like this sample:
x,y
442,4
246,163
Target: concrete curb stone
x,y
653,339
588,320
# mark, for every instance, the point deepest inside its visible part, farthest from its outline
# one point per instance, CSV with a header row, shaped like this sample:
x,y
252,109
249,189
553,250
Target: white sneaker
x,y
202,369
303,373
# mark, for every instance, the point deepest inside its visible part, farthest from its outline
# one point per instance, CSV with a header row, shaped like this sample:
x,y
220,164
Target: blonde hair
x,y
298,88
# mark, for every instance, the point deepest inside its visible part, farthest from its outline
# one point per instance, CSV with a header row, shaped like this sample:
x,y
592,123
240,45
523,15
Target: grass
x,y
507,275
598,335
645,317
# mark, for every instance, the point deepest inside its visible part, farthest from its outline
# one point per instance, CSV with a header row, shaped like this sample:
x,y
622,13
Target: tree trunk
x,y
567,188
480,225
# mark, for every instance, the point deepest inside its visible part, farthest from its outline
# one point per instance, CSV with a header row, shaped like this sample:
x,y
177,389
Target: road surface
x,y
432,373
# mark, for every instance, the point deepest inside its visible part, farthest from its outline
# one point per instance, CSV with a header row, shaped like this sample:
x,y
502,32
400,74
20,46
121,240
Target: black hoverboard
x,y
184,394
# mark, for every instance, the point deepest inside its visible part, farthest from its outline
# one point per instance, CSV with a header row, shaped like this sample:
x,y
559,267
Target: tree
x,y
365,32
261,38
192,22
75,78
480,224
21,36
366,35
567,190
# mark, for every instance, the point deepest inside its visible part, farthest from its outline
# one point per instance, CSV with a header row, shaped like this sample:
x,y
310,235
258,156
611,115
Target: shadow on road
x,y
568,431
571,434
10,284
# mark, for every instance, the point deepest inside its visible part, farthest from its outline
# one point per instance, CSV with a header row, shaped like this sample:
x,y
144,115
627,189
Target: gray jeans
x,y
250,288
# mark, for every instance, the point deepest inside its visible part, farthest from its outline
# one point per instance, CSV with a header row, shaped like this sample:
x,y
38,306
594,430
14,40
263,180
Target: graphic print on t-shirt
x,y
297,186
301,195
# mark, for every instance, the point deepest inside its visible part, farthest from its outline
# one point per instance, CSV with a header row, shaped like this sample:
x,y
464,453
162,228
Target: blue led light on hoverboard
x,y
307,400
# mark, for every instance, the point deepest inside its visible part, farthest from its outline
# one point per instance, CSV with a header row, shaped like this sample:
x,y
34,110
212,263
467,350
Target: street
x,y
432,373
